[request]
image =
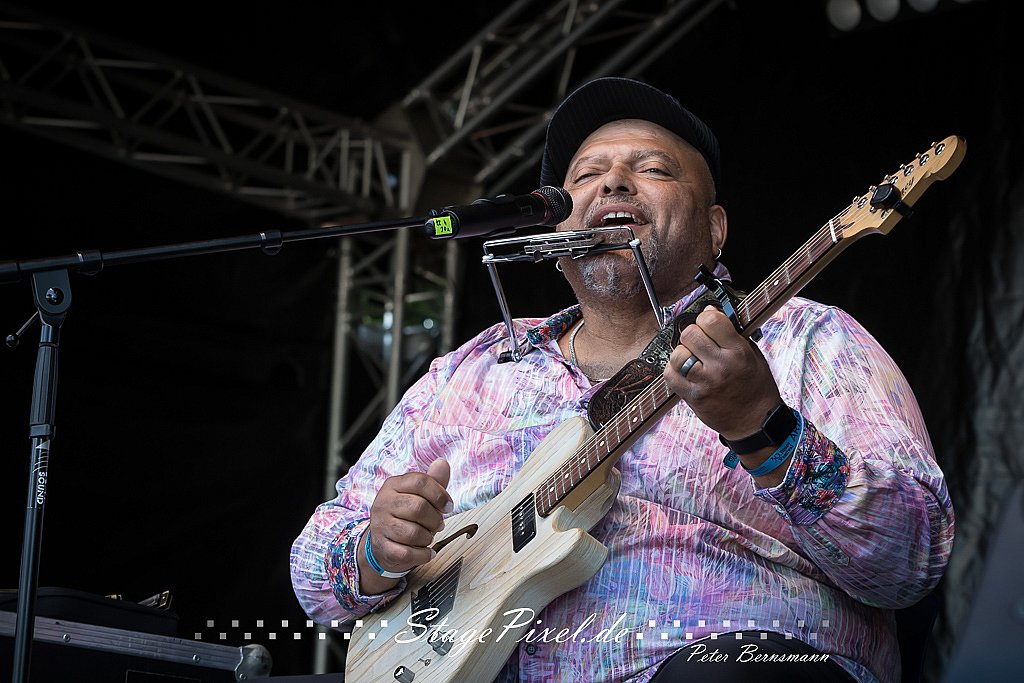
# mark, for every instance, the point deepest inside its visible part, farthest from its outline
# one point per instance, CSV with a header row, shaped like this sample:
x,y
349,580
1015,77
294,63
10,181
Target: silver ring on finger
x,y
687,365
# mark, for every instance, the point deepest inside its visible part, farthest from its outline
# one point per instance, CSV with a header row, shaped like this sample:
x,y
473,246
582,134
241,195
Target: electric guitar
x,y
530,543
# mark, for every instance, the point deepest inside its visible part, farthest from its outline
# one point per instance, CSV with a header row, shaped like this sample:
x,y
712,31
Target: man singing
x,y
834,515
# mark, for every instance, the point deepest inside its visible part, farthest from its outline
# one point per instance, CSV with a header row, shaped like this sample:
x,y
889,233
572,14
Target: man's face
x,y
638,168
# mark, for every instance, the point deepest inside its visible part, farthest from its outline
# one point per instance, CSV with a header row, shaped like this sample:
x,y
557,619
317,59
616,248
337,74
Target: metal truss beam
x,y
191,125
485,110
396,294
394,316
395,307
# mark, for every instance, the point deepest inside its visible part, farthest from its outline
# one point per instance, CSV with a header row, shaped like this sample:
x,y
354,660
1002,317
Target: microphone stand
x,y
51,290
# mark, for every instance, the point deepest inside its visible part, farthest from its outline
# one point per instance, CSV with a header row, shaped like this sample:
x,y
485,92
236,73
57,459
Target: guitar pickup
x,y
524,523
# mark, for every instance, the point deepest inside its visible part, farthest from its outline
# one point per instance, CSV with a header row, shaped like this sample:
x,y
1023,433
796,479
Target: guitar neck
x,y
787,280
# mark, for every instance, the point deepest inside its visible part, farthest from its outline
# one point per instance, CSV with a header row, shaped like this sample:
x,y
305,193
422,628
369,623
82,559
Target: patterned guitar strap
x,y
637,374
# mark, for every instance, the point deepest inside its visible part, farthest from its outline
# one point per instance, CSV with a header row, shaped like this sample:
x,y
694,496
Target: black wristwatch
x,y
776,426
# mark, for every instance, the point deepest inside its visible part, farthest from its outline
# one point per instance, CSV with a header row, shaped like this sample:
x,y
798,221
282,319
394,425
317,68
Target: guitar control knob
x,y
403,675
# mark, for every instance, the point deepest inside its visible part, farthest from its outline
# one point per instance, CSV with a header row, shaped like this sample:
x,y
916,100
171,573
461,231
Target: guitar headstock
x,y
874,211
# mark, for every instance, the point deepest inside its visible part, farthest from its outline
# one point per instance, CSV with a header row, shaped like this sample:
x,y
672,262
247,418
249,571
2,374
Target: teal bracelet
x,y
781,454
376,565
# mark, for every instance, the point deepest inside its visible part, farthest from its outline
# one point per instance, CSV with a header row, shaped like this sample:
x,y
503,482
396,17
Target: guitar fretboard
x,y
794,272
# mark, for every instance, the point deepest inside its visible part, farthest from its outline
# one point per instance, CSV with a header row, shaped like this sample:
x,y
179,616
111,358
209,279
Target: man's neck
x,y
620,326
616,331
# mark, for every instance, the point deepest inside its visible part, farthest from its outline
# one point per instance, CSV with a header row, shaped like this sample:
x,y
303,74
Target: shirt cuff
x,y
814,482
343,571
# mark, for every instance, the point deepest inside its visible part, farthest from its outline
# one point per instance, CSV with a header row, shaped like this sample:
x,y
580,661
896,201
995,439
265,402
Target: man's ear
x,y
719,227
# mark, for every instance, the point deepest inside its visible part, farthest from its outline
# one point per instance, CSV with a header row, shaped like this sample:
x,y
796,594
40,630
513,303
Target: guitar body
x,y
478,576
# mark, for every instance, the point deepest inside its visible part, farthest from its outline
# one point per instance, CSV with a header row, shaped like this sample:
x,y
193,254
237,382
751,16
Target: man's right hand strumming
x,y
406,514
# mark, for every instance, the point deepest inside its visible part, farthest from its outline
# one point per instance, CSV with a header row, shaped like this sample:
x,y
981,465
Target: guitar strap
x,y
637,374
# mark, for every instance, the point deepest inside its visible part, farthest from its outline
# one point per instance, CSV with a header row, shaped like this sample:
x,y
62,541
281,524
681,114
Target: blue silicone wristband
x,y
781,454
376,565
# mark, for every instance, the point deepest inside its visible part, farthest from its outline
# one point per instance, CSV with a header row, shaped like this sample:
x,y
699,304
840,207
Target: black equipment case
x,y
84,637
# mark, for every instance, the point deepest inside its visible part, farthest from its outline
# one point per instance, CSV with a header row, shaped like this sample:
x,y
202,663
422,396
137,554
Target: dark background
x,y
193,394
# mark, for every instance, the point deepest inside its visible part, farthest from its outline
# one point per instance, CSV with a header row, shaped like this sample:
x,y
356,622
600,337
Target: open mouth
x,y
617,217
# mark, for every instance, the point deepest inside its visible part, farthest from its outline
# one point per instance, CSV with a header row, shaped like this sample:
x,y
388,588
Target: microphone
x,y
505,213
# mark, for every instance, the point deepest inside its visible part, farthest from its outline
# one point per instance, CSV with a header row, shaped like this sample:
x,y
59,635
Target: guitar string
x,y
820,238
593,444
777,286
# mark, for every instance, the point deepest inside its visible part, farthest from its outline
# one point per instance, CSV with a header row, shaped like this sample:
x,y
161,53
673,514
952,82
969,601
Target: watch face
x,y
779,424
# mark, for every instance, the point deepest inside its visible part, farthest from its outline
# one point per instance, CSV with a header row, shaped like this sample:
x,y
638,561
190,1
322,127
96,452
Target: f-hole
x,y
468,531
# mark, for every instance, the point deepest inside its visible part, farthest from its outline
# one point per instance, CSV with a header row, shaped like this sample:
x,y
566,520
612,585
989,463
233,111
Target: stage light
x,y
883,10
852,16
843,14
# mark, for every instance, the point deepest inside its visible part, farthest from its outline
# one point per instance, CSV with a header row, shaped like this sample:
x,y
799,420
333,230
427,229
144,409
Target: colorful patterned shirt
x,y
862,523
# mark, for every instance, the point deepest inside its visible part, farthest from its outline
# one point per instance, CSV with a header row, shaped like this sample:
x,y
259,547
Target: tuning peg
x,y
922,159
